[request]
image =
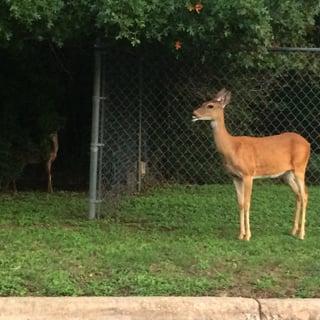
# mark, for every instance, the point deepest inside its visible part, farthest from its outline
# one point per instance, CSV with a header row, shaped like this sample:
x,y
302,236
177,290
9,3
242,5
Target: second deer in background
x,y
247,158
38,157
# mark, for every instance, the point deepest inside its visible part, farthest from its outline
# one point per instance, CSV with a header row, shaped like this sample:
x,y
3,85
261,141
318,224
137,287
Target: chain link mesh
x,y
146,126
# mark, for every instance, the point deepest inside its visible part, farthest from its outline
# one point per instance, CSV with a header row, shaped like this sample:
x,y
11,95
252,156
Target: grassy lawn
x,y
174,241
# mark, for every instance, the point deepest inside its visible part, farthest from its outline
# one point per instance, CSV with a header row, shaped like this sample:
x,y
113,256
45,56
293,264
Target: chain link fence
x,y
145,117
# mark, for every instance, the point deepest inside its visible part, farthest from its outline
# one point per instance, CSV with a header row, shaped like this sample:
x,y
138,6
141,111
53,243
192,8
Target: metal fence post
x,y
95,134
140,128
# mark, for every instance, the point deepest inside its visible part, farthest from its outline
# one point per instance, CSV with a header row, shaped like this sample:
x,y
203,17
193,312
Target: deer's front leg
x,y
239,185
248,181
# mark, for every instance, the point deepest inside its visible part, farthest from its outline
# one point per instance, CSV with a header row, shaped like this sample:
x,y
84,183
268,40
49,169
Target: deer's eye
x,y
210,106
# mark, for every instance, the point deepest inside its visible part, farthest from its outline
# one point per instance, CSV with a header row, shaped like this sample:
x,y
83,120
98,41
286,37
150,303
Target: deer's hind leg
x,y
290,179
300,181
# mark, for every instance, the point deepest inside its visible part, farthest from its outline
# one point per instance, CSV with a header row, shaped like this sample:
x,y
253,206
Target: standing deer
x,y
39,157
248,158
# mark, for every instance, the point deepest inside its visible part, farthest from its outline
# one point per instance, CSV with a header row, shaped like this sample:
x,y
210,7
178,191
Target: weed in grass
x,y
59,283
12,284
308,286
265,282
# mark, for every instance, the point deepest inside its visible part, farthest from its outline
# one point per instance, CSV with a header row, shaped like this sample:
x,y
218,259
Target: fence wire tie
x,y
95,146
100,97
99,144
95,200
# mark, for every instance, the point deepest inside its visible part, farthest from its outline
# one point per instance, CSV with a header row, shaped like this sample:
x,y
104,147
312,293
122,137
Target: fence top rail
x,y
295,49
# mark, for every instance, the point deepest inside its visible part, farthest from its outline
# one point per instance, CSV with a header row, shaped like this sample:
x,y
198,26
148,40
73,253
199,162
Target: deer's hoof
x,y
247,237
241,236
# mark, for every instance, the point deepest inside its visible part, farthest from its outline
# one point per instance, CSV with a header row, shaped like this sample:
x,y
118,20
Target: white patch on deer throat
x,y
213,124
270,176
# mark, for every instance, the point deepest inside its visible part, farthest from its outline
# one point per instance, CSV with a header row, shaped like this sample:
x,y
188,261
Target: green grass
x,y
173,241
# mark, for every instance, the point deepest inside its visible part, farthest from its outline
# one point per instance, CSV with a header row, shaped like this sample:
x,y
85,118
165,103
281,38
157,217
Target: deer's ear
x,y
220,95
226,99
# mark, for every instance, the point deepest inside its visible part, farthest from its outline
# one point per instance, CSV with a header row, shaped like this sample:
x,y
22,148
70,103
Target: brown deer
x,y
247,158
46,159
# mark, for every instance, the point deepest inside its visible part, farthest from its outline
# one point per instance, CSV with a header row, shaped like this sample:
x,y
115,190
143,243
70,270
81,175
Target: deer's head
x,y
213,109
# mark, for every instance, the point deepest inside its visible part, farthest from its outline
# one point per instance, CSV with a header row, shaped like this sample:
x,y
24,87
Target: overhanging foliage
x,y
202,26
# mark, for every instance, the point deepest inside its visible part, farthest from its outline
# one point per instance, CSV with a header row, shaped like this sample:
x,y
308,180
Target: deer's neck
x,y
221,136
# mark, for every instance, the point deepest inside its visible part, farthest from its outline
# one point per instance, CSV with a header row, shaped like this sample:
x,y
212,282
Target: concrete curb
x,y
290,309
157,308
